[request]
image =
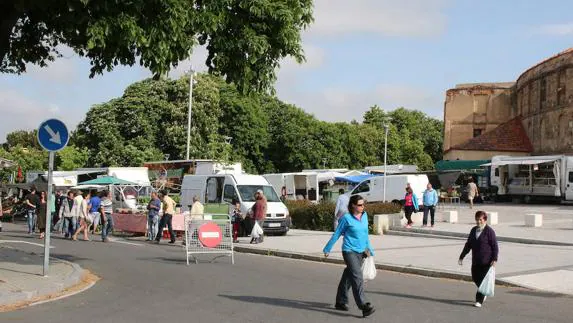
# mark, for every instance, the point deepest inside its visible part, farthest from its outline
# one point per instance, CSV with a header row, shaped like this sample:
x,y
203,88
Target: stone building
x,y
533,116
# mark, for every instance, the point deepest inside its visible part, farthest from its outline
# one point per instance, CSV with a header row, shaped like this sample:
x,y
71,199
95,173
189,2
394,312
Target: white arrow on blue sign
x,y
53,135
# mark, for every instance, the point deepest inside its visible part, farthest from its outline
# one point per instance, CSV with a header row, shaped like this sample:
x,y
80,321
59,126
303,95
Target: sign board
x,y
53,135
210,235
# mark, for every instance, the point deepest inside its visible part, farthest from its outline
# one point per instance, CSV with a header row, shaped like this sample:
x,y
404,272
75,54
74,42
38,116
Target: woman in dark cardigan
x,y
483,244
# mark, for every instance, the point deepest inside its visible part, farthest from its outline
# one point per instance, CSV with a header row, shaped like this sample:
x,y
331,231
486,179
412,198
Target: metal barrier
x,y
210,234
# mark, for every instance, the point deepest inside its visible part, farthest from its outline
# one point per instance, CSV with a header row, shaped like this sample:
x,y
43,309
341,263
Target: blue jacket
x,y
355,234
430,198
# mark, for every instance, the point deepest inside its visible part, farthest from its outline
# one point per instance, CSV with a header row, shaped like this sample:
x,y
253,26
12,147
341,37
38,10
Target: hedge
x,y
320,217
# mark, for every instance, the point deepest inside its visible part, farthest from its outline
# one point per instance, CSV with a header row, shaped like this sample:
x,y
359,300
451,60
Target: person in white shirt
x,y
341,207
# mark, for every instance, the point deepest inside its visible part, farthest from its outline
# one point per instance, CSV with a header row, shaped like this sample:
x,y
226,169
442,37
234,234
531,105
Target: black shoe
x,y
367,310
172,241
341,307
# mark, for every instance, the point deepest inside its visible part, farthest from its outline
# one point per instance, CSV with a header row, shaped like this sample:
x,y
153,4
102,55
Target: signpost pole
x,y
48,215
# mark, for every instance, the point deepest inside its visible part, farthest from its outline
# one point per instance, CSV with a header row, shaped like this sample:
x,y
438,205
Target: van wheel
x,y
282,234
527,199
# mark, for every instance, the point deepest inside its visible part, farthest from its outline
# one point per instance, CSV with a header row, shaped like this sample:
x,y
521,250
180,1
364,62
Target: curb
x,y
78,281
381,266
415,232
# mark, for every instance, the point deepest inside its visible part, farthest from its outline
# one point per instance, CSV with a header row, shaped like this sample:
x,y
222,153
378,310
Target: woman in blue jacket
x,y
410,205
355,247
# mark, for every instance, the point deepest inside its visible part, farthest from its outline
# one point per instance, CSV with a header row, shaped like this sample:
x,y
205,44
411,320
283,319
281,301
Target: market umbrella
x,y
107,180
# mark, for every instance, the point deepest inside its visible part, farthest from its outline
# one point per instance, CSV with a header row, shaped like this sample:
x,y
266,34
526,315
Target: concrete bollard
x,y
451,216
492,218
533,220
380,223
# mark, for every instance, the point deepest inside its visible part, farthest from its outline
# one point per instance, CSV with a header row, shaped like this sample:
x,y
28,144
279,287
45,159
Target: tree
x,y
22,138
27,158
245,39
71,158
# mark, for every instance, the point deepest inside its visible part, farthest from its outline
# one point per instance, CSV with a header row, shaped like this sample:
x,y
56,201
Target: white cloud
x,y
565,29
21,113
64,69
340,104
386,17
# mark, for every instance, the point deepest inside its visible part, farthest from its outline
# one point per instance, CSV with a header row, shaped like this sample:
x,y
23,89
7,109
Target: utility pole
x,y
191,72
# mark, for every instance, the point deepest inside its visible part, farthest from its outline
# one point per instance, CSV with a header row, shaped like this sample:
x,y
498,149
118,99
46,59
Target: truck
x,y
528,178
295,186
168,174
224,188
372,189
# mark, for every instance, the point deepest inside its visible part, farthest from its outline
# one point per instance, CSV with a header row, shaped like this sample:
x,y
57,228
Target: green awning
x,y
107,180
453,165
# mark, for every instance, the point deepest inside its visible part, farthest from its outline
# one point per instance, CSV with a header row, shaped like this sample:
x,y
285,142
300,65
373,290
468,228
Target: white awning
x,y
520,162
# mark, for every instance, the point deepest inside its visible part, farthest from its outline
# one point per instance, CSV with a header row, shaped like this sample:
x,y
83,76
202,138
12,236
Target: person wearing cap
x,y
259,212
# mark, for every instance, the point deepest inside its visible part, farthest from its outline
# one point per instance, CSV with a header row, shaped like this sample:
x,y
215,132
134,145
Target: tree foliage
x,y
245,39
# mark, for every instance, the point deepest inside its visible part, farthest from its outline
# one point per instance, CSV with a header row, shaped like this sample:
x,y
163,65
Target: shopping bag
x,y
487,286
257,230
369,268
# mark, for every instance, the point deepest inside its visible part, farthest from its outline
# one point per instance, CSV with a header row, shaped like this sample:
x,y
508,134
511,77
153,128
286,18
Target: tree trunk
x,y
9,15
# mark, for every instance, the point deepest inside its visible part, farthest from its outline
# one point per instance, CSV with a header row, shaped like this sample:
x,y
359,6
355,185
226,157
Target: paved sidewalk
x,y
22,282
541,267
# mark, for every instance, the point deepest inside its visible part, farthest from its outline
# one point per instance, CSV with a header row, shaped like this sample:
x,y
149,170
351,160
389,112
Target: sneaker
x,y
367,310
172,242
341,307
477,304
409,226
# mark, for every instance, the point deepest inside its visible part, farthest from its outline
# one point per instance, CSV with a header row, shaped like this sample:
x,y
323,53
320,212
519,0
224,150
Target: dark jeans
x,y
432,210
107,227
351,277
408,210
166,219
478,274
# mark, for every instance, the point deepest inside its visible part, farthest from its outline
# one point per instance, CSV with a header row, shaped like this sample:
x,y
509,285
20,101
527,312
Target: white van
x,y
224,188
372,189
297,185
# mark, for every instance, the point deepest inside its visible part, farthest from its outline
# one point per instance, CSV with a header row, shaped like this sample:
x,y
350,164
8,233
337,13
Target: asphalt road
x,y
151,283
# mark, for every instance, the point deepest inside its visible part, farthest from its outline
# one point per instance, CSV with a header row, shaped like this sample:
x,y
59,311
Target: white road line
x,y
125,242
26,242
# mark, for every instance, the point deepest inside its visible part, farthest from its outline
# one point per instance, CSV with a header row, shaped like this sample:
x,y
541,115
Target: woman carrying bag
x,y
483,244
355,247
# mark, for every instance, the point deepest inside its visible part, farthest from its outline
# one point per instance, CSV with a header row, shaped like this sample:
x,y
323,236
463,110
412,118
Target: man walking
x,y
153,216
473,191
94,207
32,202
106,210
430,200
167,218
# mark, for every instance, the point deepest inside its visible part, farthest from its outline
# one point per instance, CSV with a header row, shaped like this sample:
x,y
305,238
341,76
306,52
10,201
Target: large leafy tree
x,y
245,39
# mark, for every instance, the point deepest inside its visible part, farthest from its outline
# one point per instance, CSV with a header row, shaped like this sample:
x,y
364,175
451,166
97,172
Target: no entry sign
x,y
210,235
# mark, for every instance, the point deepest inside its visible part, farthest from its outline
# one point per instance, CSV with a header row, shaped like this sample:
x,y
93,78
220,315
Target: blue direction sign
x,y
53,135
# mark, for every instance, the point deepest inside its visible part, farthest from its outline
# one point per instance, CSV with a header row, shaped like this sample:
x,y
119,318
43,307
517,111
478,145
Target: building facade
x,y
532,116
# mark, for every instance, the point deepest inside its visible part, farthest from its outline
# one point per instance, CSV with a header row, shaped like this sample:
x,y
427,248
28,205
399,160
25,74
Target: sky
x,y
359,53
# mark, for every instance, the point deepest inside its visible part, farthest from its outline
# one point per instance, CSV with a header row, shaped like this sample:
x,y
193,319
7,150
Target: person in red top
x,y
259,212
410,205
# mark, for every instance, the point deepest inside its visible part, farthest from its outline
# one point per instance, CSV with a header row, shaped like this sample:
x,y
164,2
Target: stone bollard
x,y
492,218
533,220
380,223
451,216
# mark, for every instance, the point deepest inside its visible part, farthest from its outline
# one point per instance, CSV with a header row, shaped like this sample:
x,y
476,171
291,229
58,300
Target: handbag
x,y
369,268
487,286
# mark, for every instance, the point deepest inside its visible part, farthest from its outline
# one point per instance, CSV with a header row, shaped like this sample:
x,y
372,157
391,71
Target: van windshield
x,y
247,193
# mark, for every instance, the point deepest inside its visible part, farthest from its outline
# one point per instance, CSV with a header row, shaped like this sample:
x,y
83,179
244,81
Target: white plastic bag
x,y
369,268
487,286
257,230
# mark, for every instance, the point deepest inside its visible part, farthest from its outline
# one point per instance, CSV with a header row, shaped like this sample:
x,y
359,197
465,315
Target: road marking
x,y
125,242
26,242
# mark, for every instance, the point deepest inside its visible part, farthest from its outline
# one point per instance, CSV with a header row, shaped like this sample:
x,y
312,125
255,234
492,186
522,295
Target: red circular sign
x,y
210,235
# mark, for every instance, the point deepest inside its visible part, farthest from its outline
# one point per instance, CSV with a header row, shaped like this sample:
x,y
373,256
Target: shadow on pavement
x,y
289,303
425,298
70,258
527,292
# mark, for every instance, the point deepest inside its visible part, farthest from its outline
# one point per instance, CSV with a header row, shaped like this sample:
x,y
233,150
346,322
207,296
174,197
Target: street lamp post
x,y
385,153
191,72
